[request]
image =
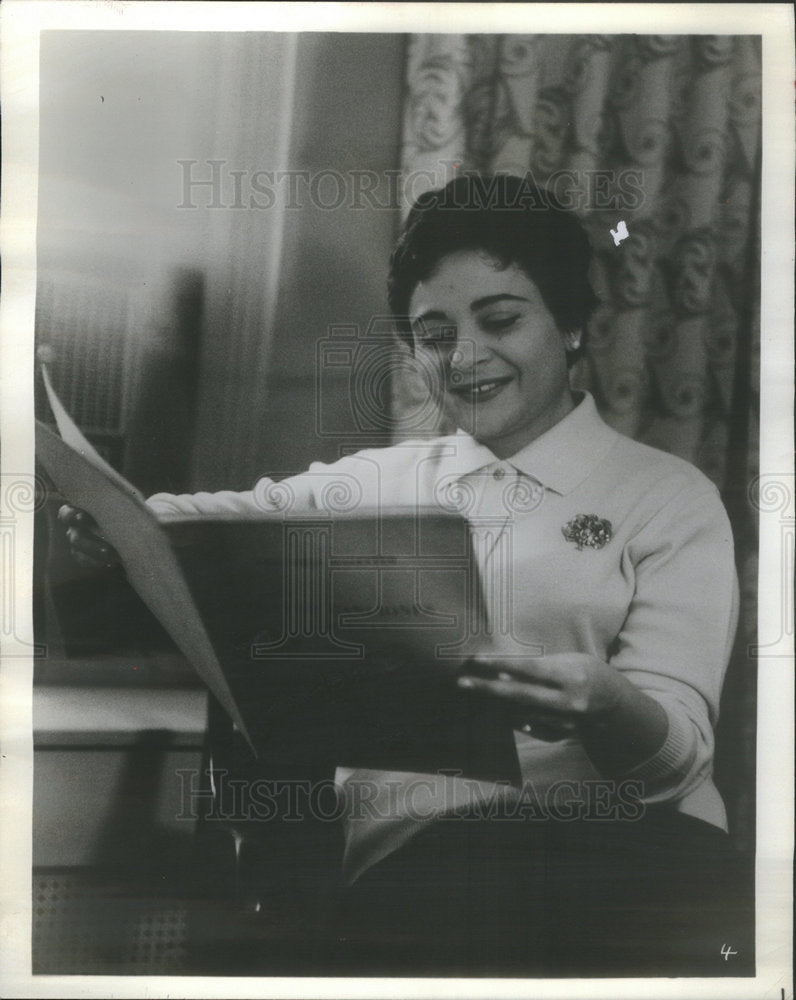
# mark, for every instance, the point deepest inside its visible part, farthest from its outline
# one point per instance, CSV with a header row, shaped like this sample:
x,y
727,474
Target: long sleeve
x,y
677,637
203,504
370,479
294,494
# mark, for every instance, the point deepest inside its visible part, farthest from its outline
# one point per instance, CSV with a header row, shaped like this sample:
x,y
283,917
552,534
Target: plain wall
x,y
205,322
348,109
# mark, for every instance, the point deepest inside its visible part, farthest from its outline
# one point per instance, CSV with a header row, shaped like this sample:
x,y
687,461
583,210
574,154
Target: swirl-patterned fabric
x,y
662,133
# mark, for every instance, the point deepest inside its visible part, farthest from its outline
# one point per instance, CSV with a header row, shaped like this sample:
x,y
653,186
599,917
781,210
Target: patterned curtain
x,y
660,132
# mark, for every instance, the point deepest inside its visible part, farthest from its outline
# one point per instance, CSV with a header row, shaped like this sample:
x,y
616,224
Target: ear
x,y
572,340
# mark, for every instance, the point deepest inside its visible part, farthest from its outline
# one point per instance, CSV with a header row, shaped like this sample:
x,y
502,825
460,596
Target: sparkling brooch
x,y
588,529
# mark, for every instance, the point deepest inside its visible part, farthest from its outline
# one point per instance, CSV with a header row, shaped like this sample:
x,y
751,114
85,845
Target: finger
x,y
78,521
549,732
522,694
535,711
479,670
91,546
66,514
73,516
539,669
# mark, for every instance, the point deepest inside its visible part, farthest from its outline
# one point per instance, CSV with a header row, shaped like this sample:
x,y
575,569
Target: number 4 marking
x,y
726,951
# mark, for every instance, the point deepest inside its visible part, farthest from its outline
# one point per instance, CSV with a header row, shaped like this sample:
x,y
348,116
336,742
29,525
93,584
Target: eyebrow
x,y
487,300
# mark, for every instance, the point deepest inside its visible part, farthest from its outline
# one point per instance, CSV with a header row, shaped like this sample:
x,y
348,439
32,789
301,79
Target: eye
x,y
499,322
435,335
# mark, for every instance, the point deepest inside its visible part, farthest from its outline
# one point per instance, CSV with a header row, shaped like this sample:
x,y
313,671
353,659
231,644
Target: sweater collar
x,y
560,459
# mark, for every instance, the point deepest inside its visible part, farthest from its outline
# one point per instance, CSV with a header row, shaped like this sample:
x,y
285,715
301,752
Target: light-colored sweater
x,y
658,600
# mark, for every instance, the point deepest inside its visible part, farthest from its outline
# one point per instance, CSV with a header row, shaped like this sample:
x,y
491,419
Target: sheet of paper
x,y
73,436
125,520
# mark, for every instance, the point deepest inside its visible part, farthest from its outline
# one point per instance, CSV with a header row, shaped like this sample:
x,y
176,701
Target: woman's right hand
x,y
86,544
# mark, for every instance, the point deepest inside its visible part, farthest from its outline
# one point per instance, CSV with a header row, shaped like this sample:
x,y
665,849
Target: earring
x,y
572,340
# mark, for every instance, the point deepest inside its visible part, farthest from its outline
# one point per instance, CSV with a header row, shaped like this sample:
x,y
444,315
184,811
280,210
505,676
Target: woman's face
x,y
501,356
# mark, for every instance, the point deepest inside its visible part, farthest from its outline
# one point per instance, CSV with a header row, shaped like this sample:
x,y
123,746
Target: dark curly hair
x,y
513,221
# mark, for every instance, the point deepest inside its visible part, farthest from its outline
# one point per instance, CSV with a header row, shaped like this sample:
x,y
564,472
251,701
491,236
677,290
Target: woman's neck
x,y
513,442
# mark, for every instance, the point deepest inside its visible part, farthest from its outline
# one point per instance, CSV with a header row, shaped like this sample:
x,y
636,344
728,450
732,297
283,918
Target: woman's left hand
x,y
549,696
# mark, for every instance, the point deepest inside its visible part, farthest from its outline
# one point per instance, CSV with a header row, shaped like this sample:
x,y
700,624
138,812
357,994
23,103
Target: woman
x,y
613,567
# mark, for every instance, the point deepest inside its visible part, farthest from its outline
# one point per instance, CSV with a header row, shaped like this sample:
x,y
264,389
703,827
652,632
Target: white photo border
x,y
21,22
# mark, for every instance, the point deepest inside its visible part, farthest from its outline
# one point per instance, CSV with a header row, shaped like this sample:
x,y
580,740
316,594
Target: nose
x,y
470,350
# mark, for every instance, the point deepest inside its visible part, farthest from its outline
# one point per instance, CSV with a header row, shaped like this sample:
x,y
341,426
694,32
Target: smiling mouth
x,y
480,391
